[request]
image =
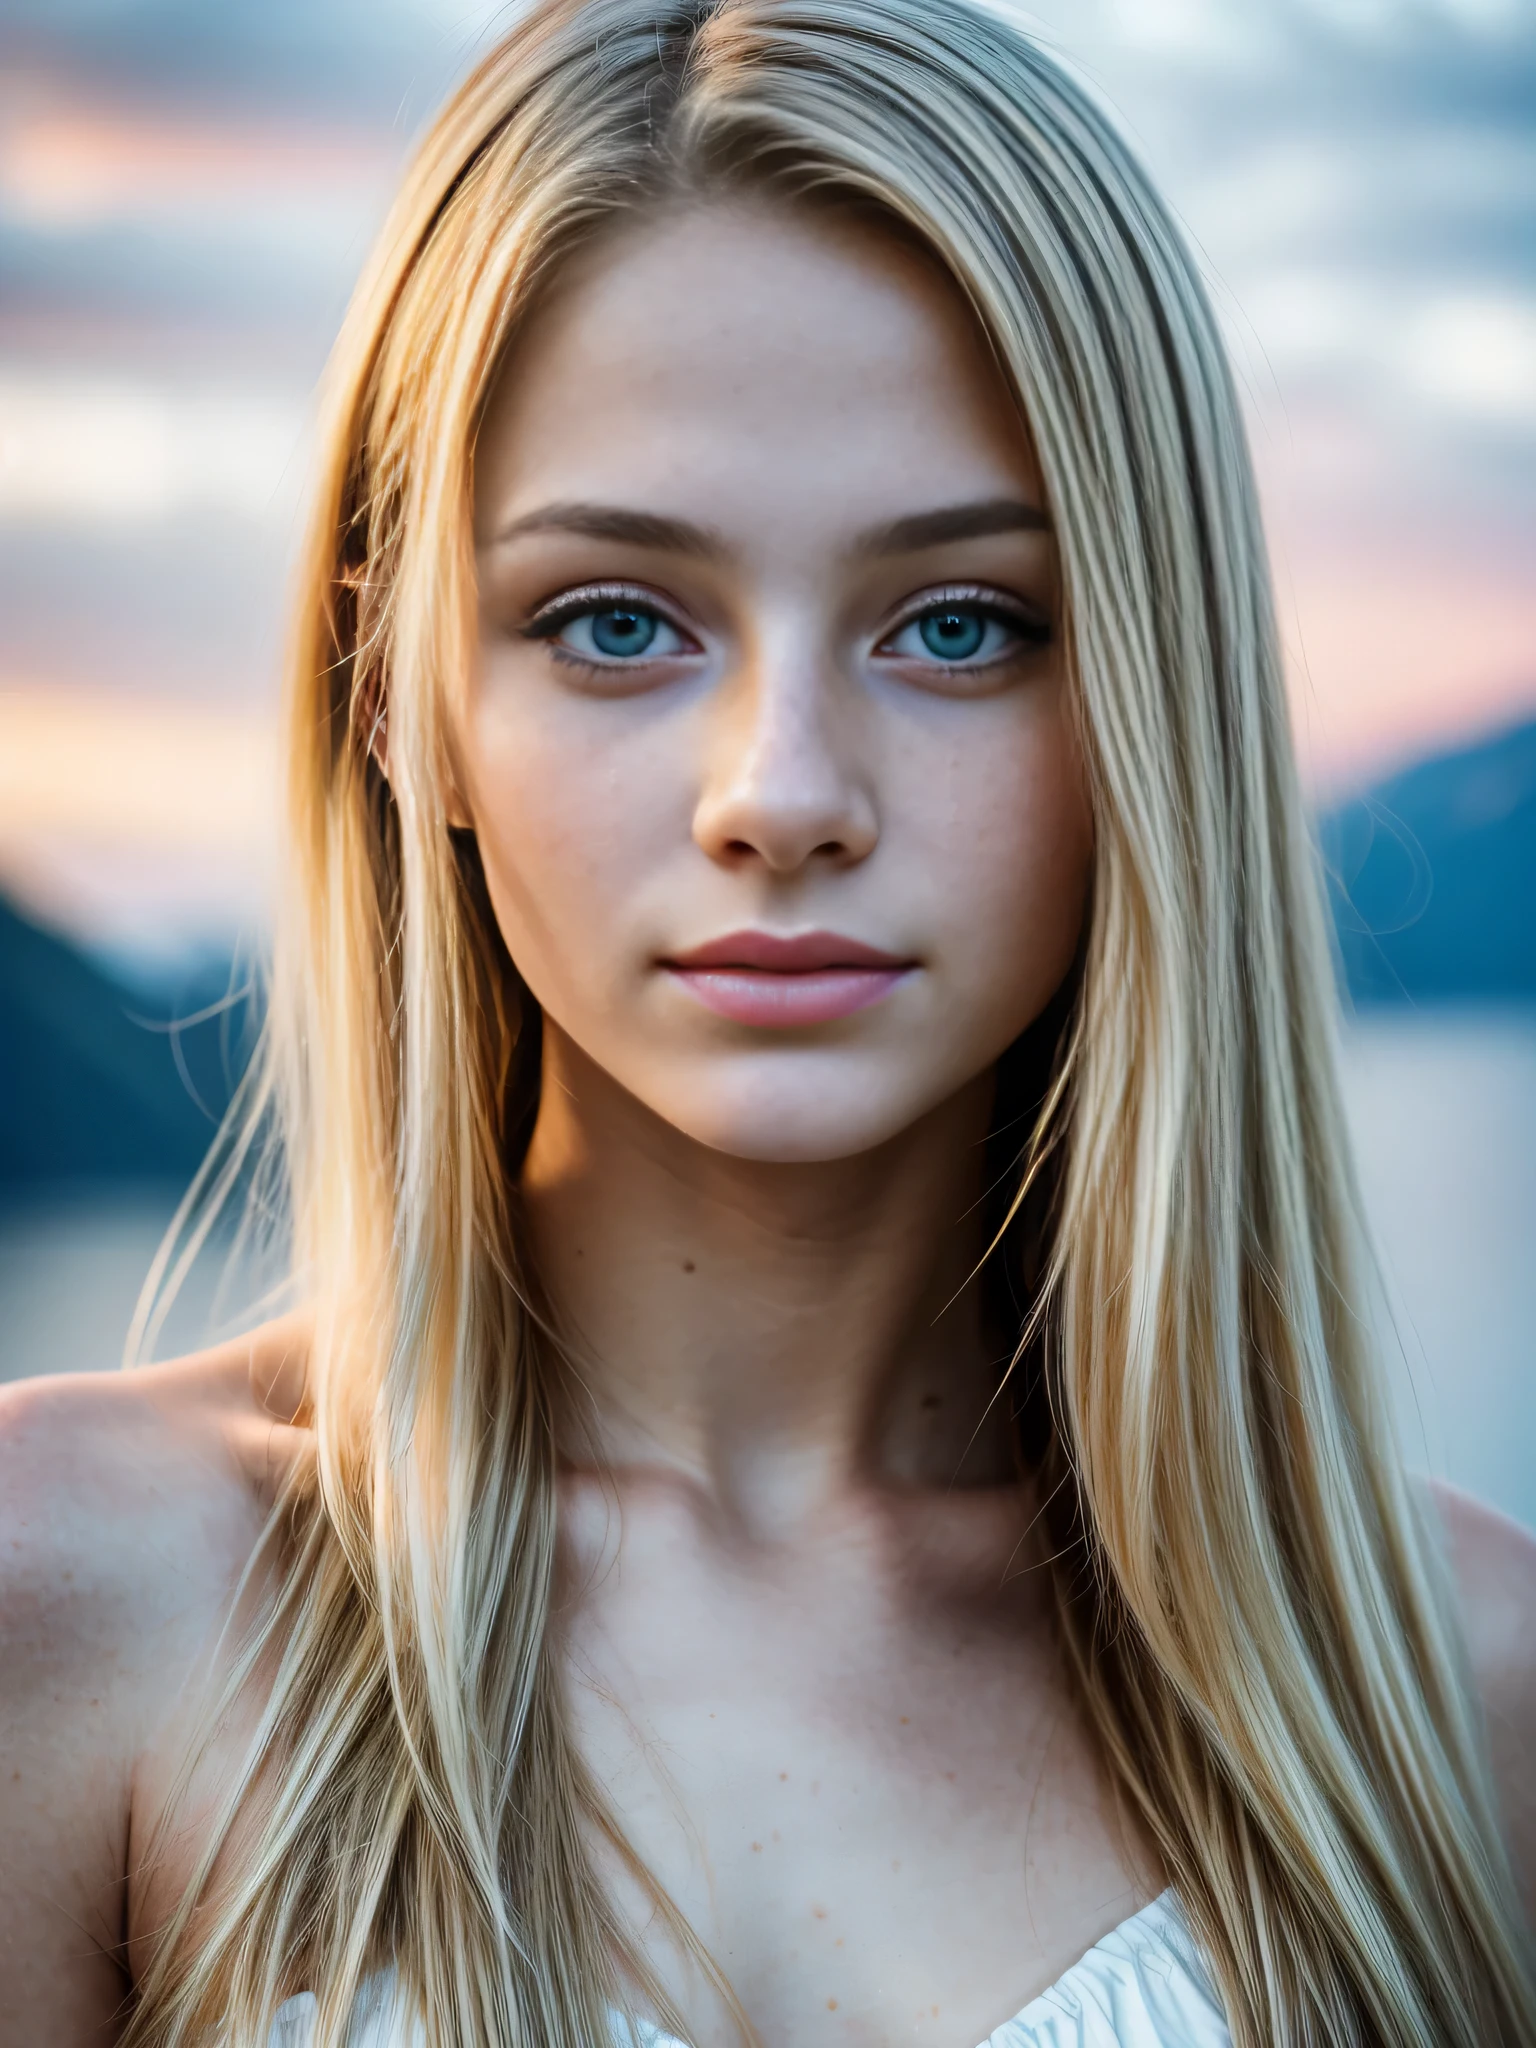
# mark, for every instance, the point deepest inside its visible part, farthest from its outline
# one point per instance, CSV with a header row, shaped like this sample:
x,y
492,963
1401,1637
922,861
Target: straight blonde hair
x,y
1249,1603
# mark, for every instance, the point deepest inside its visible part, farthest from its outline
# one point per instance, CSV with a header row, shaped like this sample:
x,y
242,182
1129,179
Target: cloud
x,y
66,165
387,60
1475,354
76,449
144,825
158,774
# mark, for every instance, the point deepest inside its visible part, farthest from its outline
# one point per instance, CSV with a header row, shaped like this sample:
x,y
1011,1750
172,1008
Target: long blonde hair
x,y
1251,1609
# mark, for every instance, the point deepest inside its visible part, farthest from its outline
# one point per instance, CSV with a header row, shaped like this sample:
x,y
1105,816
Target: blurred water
x,y
71,1267
1443,1109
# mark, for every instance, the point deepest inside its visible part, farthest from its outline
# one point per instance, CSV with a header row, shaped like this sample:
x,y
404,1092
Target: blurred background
x,y
187,189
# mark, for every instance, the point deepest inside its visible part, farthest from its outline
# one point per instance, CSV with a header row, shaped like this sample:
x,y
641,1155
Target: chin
x,y
792,1119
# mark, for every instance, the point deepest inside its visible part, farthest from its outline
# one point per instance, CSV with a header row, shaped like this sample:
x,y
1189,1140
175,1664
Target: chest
x,y
866,1791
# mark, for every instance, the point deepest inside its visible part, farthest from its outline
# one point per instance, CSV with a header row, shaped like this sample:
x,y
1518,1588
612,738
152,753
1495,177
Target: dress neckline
x,y
1151,1946
1158,1924
1158,1920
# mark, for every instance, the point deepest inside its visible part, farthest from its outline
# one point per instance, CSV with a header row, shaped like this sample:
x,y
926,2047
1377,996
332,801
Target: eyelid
x,y
546,619
985,596
1034,623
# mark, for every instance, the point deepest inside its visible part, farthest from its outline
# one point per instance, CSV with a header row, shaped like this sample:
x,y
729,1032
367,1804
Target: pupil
x,y
622,632
954,635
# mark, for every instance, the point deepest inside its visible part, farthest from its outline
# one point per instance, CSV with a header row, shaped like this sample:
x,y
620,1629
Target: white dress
x,y
1142,1986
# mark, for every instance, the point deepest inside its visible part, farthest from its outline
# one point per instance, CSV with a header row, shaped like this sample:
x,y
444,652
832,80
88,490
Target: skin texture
x,y
786,767
801,1609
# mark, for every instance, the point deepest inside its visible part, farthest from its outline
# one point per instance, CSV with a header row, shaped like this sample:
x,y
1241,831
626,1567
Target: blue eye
x,y
620,632
954,633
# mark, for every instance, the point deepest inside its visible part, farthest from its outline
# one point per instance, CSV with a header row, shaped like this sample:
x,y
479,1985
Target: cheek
x,y
565,827
1008,840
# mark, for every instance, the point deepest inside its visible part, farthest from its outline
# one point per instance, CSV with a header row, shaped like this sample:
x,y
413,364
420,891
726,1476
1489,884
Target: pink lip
x,y
759,978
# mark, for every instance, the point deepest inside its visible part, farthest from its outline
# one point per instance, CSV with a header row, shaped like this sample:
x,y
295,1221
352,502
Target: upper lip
x,y
802,954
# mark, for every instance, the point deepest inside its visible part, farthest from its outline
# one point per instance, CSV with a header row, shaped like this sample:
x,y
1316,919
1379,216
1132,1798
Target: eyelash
x,y
1033,632
593,597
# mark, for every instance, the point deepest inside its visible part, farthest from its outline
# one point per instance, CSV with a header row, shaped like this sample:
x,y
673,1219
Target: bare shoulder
x,y
130,1504
111,1478
131,1501
1494,1563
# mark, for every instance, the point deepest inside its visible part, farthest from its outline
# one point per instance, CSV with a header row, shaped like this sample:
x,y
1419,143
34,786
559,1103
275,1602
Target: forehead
x,y
737,362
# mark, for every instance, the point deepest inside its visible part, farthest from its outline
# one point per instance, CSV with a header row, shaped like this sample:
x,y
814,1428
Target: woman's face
x,y
768,751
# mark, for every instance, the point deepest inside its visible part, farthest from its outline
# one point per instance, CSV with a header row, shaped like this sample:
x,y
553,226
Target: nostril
x,y
753,819
747,849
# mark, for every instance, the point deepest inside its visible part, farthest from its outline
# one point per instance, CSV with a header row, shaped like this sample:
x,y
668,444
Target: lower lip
x,y
780,1002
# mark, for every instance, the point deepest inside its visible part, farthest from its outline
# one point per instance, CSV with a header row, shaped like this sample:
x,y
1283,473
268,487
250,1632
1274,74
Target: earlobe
x,y
373,723
455,803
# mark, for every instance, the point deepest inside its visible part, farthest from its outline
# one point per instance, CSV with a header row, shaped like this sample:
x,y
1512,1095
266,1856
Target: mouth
x,y
780,983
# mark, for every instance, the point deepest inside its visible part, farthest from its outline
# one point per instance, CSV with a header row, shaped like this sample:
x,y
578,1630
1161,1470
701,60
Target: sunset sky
x,y
187,188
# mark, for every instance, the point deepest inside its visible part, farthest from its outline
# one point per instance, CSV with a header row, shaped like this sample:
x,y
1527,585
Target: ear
x,y
455,802
373,722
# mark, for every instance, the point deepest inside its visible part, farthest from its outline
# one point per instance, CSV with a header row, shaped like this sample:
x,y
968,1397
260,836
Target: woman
x,y
831,1488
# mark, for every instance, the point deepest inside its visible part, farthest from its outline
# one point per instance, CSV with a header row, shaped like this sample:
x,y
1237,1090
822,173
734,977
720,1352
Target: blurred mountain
x,y
1432,877
100,1081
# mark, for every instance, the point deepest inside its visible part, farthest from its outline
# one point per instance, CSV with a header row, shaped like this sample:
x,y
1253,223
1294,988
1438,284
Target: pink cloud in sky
x,y
66,163
1392,653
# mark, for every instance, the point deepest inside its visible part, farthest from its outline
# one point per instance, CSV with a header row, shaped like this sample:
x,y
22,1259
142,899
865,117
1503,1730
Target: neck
x,y
782,1335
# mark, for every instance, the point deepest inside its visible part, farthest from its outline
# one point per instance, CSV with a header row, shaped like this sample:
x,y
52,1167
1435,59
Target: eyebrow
x,y
955,522
682,537
616,522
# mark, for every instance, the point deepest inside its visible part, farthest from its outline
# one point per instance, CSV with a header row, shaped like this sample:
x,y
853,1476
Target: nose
x,y
784,783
